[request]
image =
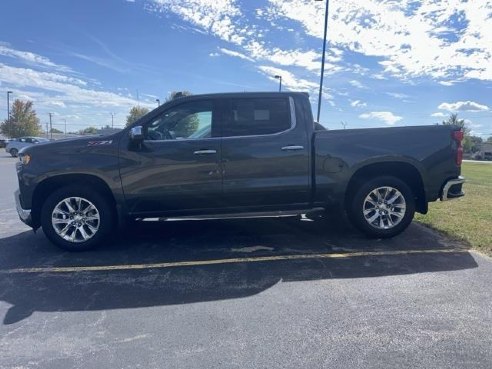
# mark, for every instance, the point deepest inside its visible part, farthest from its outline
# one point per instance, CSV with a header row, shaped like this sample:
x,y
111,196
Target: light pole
x,y
51,126
280,82
158,102
8,105
112,120
323,59
65,126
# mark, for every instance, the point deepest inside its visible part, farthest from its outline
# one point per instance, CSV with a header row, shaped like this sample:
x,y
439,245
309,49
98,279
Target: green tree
x,y
135,113
475,143
23,121
455,121
189,124
177,94
88,131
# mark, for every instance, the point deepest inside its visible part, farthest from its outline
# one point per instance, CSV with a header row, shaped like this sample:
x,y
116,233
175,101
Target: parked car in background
x,y
3,142
13,146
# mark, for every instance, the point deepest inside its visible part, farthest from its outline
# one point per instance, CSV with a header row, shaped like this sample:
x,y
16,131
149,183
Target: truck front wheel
x,y
382,207
76,218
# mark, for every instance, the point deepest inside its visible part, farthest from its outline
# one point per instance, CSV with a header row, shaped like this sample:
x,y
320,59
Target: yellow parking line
x,y
256,259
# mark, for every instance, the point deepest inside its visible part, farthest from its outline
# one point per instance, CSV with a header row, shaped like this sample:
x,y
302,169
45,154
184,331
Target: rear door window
x,y
256,116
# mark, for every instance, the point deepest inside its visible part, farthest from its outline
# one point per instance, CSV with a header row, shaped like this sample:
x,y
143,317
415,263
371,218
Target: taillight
x,y
458,137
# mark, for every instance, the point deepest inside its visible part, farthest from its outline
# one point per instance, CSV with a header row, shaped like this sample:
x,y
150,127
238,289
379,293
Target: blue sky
x,y
389,62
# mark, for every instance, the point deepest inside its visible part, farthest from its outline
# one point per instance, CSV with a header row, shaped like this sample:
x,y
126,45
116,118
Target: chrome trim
x,y
245,215
292,148
136,131
205,152
24,214
448,185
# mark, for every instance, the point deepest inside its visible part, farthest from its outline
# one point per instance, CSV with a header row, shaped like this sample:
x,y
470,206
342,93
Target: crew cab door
x,y
265,154
177,165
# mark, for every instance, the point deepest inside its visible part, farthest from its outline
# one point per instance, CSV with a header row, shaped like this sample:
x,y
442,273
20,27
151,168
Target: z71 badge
x,y
99,143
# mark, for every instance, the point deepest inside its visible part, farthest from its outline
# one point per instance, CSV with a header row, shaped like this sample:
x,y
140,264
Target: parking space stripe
x,y
254,259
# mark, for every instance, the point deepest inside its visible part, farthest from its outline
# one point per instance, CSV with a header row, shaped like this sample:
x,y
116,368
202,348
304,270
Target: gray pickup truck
x,y
237,154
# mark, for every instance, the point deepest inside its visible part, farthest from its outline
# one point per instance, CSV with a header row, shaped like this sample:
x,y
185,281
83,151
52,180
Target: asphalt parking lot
x,y
262,293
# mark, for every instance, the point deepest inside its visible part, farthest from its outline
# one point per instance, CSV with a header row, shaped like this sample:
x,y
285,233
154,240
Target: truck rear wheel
x,y
76,218
382,207
14,152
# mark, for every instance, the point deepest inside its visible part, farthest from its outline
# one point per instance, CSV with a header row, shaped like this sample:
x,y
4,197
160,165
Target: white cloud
x,y
55,103
384,116
68,90
357,84
217,17
397,95
463,106
357,104
234,54
289,80
31,58
225,20
412,38
439,115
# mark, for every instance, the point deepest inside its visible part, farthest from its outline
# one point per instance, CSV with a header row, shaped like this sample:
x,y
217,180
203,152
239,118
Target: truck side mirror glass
x,y
136,134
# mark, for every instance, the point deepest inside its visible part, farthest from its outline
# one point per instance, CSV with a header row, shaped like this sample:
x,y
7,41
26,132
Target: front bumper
x,y
24,214
453,189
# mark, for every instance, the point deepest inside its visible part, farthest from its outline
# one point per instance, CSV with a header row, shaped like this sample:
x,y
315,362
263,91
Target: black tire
x,y
14,152
394,219
104,225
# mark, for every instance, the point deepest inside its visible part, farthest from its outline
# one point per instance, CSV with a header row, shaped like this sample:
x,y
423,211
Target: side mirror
x,y
136,134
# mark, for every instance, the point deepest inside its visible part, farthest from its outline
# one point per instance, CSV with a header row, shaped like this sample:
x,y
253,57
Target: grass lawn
x,y
469,218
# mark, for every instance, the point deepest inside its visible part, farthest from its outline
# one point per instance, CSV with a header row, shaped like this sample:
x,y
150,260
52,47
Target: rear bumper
x,y
24,214
453,189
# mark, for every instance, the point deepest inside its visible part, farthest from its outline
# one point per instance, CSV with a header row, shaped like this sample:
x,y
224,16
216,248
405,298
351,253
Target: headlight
x,y
25,158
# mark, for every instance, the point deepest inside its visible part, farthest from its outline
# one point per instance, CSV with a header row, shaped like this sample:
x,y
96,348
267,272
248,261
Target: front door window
x,y
188,121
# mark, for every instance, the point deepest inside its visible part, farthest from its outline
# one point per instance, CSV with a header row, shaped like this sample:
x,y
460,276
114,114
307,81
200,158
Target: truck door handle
x,y
292,148
205,152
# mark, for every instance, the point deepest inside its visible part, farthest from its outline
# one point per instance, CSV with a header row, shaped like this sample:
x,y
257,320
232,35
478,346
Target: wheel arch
x,y
404,171
51,184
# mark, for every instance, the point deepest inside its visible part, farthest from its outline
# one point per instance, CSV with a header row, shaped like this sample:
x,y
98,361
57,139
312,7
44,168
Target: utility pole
x,y
323,60
65,127
47,130
112,120
51,127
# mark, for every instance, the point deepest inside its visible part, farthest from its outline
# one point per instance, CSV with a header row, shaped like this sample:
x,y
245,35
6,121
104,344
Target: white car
x,y
14,145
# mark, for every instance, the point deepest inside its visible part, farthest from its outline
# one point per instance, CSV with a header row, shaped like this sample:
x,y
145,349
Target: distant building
x,y
485,152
